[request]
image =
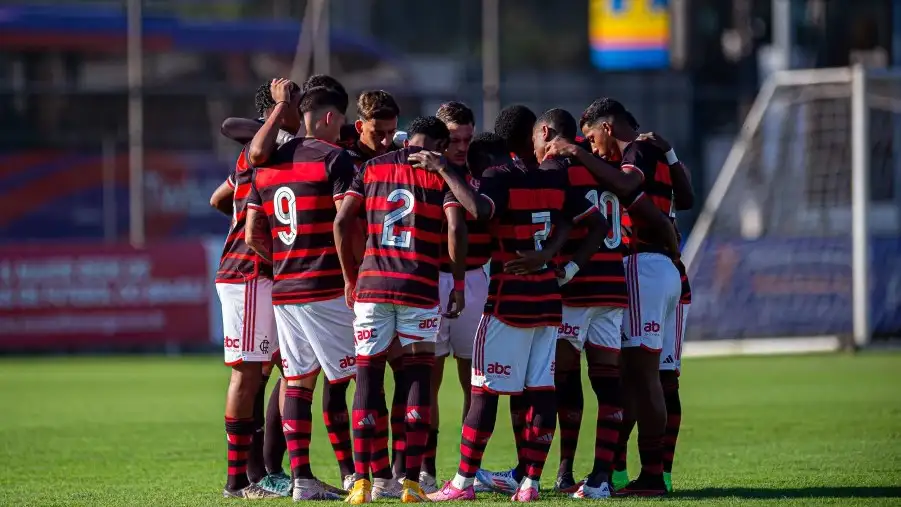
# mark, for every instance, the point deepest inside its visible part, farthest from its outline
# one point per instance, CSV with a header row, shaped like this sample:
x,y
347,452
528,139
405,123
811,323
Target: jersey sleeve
x,y
356,186
577,204
641,158
254,200
231,180
341,173
450,200
492,188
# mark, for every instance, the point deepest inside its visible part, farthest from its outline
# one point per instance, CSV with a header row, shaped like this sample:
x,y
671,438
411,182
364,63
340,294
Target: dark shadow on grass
x,y
838,492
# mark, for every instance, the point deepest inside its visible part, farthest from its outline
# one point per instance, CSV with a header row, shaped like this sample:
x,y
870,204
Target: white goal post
x,y
781,257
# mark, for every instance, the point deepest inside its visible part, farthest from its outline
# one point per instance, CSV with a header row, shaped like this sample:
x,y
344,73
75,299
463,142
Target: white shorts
x,y
596,326
654,287
455,336
376,325
671,357
248,321
508,359
316,336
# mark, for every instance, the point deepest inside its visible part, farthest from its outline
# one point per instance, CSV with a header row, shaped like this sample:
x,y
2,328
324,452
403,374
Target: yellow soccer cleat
x,y
360,493
413,493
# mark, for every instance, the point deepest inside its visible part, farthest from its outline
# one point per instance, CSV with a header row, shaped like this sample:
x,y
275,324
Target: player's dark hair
x,y
263,99
320,97
485,150
456,112
561,121
429,126
606,108
327,81
377,105
514,125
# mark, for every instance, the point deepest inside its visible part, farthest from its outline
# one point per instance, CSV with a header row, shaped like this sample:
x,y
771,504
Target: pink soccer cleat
x,y
450,493
525,495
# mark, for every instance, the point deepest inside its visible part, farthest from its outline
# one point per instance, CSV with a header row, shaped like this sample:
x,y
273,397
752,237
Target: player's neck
x,y
626,141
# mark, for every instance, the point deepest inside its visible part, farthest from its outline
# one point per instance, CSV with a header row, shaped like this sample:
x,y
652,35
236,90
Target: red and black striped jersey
x,y
297,190
478,235
525,206
239,263
403,207
657,185
602,280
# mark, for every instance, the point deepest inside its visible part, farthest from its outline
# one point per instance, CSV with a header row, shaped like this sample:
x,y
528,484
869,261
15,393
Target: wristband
x,y
286,102
671,157
459,285
569,271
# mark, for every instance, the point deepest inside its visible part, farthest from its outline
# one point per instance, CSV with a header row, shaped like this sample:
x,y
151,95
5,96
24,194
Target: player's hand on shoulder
x,y
456,301
656,140
428,160
281,88
527,263
559,147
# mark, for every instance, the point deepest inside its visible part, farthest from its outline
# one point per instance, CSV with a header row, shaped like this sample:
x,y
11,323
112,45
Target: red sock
x,y
239,434
518,408
370,419
297,423
477,429
650,450
541,422
431,453
418,421
670,380
570,403
274,445
605,381
337,424
622,446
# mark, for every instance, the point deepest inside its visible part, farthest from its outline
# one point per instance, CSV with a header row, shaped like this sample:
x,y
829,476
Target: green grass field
x,y
813,430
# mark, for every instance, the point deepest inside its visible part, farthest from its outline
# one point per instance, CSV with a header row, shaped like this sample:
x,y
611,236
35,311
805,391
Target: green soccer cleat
x,y
278,483
620,479
668,480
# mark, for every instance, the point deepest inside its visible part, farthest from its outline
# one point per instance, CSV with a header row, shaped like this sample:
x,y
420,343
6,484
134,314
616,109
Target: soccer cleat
x,y
481,487
668,480
599,493
620,479
252,492
411,492
311,489
498,482
566,483
332,489
386,488
360,492
348,482
427,482
644,485
525,495
279,484
449,493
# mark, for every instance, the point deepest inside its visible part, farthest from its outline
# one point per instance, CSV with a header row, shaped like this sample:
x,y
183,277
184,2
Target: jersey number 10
x,y
608,203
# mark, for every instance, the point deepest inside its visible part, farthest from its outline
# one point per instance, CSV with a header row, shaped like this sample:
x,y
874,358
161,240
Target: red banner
x,y
95,296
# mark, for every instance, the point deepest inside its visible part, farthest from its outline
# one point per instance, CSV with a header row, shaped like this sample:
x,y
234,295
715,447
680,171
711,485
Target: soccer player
x,y
244,285
652,278
376,124
514,125
671,356
292,206
532,211
394,294
593,303
455,336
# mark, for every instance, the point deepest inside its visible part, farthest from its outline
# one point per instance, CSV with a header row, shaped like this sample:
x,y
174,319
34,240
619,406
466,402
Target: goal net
x,y
799,236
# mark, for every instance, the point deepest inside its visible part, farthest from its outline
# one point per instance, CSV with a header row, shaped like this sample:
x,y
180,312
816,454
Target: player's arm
x,y
264,141
621,183
223,197
345,229
478,207
242,130
457,246
580,211
342,175
683,193
257,234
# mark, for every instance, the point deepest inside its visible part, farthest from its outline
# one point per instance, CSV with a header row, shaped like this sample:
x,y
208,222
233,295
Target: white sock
x,y
528,484
461,482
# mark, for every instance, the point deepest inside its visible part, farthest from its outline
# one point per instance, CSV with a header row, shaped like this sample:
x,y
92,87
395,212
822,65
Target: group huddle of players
x,y
354,247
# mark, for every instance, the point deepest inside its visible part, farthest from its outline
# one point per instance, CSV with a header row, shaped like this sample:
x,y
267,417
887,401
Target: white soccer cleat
x,y
348,482
386,488
498,482
311,489
428,483
599,493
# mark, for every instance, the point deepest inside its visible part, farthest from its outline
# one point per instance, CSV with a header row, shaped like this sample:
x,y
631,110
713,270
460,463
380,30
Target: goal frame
x,y
856,77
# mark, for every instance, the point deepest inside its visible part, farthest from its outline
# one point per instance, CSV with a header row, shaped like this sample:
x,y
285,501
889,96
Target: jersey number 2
x,y
403,238
608,203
